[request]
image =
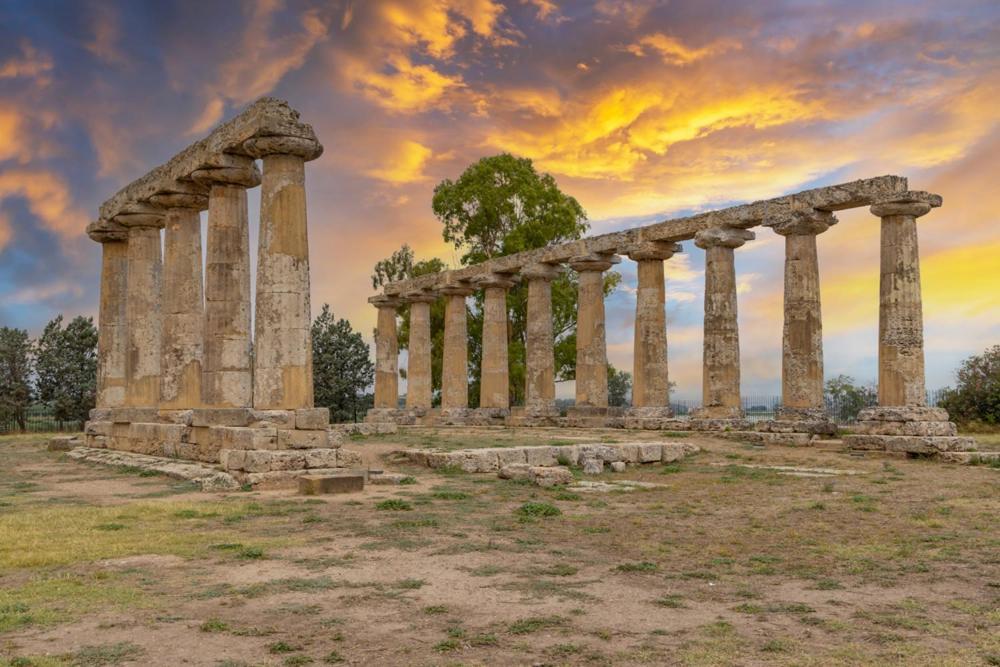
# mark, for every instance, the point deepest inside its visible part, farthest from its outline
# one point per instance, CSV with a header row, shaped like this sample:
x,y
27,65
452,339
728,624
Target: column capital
x,y
195,199
913,203
652,250
593,262
419,296
502,280
456,289
228,169
141,214
307,148
726,237
383,301
103,231
541,271
802,222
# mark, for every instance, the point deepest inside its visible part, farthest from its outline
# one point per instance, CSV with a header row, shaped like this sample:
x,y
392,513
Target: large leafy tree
x,y
15,375
619,387
342,369
499,206
66,367
976,396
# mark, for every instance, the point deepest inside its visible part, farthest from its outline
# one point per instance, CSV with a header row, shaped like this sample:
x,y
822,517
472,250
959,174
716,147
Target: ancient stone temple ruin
x,y
182,370
902,422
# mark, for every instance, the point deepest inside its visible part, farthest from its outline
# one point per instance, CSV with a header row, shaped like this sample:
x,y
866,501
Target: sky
x,y
643,110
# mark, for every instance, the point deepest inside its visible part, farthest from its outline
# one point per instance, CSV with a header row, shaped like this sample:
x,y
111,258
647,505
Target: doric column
x,y
283,322
900,321
143,308
721,356
227,379
540,373
112,330
494,389
183,311
650,377
802,338
591,346
455,364
386,354
419,385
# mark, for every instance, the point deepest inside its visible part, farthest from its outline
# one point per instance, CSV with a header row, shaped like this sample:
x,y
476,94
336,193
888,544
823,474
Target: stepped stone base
x,y
391,415
787,439
207,477
911,430
587,416
536,416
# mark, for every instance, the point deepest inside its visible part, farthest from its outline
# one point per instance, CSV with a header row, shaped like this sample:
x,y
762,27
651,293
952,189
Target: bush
x,y
976,396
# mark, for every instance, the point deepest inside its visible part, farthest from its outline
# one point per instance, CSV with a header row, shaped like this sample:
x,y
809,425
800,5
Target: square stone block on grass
x,y
347,482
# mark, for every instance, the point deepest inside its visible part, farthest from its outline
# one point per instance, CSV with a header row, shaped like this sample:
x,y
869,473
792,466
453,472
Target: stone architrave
x,y
721,356
900,319
386,354
540,380
419,385
802,338
283,322
182,303
650,376
227,380
494,391
112,324
143,308
591,346
455,362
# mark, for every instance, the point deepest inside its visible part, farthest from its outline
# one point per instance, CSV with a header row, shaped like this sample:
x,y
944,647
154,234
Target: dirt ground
x,y
726,561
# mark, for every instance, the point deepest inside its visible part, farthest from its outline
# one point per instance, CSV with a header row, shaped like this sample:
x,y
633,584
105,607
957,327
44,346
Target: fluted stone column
x,y
183,311
900,321
721,356
455,364
283,322
419,384
650,377
143,309
112,324
227,379
591,344
540,375
802,337
494,389
386,354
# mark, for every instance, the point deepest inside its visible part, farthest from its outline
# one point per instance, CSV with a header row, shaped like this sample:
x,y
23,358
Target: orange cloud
x,y
48,198
674,52
104,44
405,165
31,64
402,87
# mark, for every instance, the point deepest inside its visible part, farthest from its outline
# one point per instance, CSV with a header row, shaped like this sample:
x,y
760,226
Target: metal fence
x,y
37,419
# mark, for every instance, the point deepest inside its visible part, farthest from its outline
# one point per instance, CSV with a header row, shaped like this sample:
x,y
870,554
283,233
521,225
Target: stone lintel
x,y
839,197
912,202
419,296
652,250
268,118
727,237
593,262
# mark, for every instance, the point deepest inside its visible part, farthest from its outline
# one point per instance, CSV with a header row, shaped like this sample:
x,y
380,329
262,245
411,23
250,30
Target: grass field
x,y
727,561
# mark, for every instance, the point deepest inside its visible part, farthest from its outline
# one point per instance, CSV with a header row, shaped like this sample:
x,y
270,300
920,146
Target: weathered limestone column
x,y
591,347
802,338
900,320
721,356
540,373
494,389
650,377
386,354
183,311
283,322
419,384
227,379
143,309
455,364
112,331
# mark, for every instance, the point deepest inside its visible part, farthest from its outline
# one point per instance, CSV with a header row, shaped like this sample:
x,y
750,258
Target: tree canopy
x,y
15,375
342,370
976,396
66,367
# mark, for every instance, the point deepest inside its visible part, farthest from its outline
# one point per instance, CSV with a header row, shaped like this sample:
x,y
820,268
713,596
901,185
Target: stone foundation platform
x,y
585,416
910,430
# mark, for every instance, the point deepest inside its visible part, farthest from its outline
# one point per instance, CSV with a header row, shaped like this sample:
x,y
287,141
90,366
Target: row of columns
x,y
901,373
173,338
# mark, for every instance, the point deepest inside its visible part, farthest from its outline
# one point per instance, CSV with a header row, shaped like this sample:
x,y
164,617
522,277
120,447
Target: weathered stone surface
x,y
512,455
903,414
237,437
910,444
63,443
934,428
272,419
651,382
618,466
387,478
144,317
516,471
494,383
970,458
183,315
347,458
208,478
549,476
418,371
97,428
454,365
112,340
592,466
322,458
591,345
540,387
311,485
386,355
541,456
312,418
221,417
820,427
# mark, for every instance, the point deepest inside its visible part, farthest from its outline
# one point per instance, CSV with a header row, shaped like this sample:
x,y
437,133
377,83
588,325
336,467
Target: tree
x,y
342,369
976,396
15,375
846,399
499,206
66,368
619,387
